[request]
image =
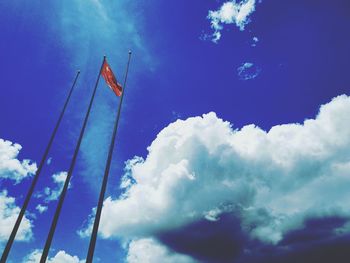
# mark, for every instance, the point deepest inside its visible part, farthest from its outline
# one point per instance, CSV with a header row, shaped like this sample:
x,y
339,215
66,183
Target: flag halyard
x,y
110,79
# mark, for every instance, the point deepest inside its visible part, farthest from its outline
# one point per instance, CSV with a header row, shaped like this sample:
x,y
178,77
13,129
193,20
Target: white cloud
x,y
53,194
272,181
8,215
60,257
59,179
148,250
41,208
255,40
231,12
10,166
248,71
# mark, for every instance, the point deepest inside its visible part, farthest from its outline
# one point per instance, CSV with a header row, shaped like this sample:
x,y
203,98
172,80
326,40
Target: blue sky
x,y
273,65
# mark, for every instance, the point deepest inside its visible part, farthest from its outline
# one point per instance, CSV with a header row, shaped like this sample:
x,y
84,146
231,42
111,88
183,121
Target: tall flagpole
x,y
105,177
69,175
35,179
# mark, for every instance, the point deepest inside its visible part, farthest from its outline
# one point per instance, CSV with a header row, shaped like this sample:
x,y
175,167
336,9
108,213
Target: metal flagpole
x,y
69,175
35,179
105,177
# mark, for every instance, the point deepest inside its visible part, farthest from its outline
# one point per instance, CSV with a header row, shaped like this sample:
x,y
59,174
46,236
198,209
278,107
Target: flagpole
x,y
36,176
105,177
69,175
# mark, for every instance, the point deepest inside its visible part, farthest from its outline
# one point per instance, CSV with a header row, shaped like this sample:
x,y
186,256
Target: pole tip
x,y
104,56
129,52
78,71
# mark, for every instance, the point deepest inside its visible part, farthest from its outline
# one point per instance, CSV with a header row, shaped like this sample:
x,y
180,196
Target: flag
x,y
110,79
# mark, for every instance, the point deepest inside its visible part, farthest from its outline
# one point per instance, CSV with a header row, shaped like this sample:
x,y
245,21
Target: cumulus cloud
x,y
272,181
8,215
231,12
248,71
10,166
148,250
60,257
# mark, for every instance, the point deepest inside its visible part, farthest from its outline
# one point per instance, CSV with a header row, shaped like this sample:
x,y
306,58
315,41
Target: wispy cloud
x,y
89,30
248,71
93,28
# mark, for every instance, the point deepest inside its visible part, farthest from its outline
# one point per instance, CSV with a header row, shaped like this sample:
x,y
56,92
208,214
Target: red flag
x,y
110,79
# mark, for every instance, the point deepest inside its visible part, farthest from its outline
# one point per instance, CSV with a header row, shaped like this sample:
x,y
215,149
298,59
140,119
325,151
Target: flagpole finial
x,y
78,71
104,56
129,52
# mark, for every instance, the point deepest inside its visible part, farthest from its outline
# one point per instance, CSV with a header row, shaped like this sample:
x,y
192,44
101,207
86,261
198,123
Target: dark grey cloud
x,y
224,241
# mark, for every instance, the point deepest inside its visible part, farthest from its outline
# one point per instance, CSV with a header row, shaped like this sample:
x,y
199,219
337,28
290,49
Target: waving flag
x,y
110,79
